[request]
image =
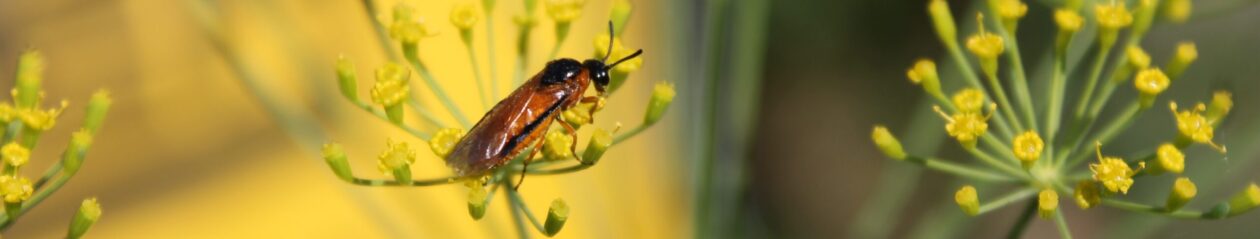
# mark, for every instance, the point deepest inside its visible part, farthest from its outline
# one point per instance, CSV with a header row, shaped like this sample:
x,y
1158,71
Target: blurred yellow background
x,y
188,152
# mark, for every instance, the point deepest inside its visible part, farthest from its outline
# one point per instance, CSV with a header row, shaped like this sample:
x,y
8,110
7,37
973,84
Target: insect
x,y
521,119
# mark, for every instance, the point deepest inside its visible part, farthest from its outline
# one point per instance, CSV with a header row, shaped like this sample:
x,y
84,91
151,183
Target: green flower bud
x,y
72,159
30,72
556,216
347,80
1047,203
1222,102
97,108
1245,201
335,156
595,148
662,96
1183,190
968,200
944,21
924,73
1185,55
887,143
89,213
477,202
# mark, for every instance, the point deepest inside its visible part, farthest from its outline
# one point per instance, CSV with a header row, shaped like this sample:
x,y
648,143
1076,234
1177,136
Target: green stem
x,y
1158,210
423,135
959,170
1059,220
476,67
1100,60
409,52
48,175
994,162
1058,82
1004,104
964,68
516,214
519,203
629,134
1025,217
1006,200
565,170
494,77
413,183
1019,81
382,38
1107,133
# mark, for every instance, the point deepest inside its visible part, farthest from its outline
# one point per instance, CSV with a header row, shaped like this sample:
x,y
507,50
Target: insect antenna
x,y
610,42
631,56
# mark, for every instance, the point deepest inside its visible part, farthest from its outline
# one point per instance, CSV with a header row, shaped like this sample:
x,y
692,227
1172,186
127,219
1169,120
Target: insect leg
x,y
591,99
572,132
525,166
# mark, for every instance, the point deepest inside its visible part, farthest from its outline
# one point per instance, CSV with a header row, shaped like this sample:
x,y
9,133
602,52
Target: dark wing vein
x,y
529,128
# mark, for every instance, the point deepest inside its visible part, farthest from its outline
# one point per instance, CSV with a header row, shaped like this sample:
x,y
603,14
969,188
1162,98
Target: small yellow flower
x,y
7,113
1151,81
409,31
558,145
444,140
965,127
1186,52
15,189
1138,59
1068,20
397,156
1113,173
41,120
968,200
1183,190
969,100
1087,195
581,114
1177,10
1113,16
985,45
1169,159
15,155
887,143
1194,126
563,11
1047,203
464,15
391,85
1027,148
1011,9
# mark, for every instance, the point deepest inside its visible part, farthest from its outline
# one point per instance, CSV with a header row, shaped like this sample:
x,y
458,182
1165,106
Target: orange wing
x,y
509,127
